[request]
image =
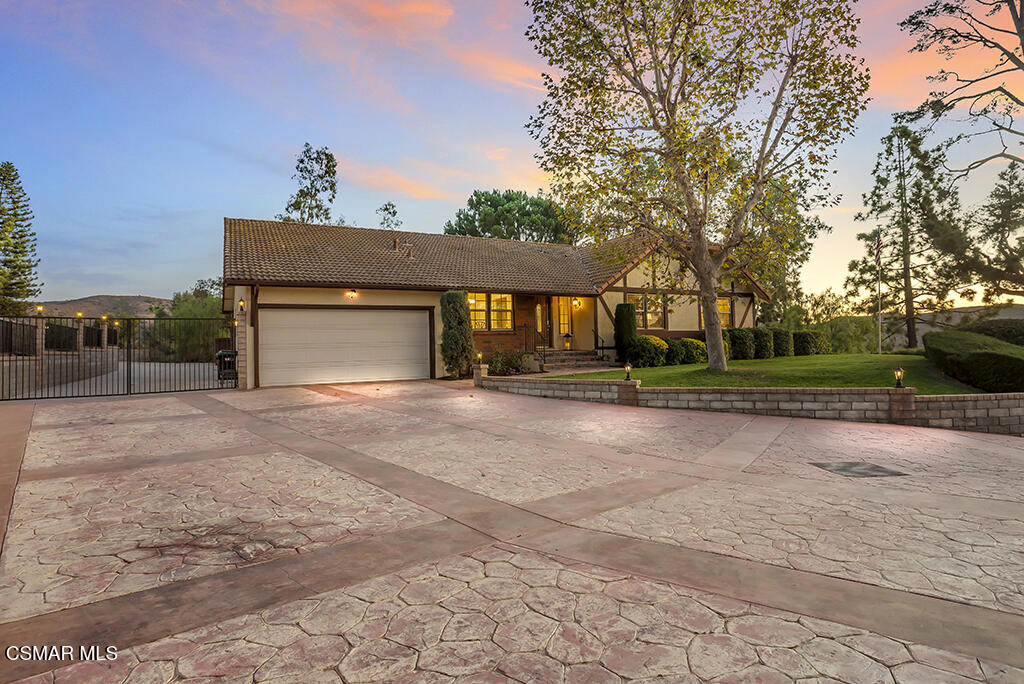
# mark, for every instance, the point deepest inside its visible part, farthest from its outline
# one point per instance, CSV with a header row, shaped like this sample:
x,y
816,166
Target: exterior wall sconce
x,y
576,303
899,377
629,367
351,294
241,305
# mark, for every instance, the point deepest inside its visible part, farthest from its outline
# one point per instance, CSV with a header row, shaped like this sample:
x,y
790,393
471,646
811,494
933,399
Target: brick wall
x,y
1002,413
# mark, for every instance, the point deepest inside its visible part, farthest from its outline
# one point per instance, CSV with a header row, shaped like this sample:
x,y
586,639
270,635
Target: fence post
x,y
103,335
40,352
79,335
242,347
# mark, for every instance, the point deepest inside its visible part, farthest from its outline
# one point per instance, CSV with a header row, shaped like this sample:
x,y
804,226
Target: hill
x,y
99,305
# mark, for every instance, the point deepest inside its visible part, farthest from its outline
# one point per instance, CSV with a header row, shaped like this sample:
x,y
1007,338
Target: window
x,y
650,310
724,312
501,312
478,310
564,315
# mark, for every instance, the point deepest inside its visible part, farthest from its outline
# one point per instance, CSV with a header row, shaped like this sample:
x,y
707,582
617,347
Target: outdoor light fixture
x,y
235,322
567,340
117,323
629,367
103,317
39,308
576,303
479,357
351,294
899,377
79,314
241,305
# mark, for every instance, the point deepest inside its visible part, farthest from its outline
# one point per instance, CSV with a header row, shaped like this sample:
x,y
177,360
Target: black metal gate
x,y
44,357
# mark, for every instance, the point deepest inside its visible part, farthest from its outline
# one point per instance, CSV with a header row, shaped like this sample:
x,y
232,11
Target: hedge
x,y
782,342
456,333
764,343
648,351
742,342
676,354
1006,329
980,360
808,342
695,350
701,335
625,330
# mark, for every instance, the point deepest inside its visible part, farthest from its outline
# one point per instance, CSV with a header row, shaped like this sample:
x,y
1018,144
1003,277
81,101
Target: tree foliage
x,y
317,174
389,220
18,263
512,215
677,117
984,41
202,300
987,247
456,333
910,197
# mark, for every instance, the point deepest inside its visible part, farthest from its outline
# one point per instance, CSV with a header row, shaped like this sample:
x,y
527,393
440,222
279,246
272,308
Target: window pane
x,y
638,302
564,315
501,301
477,301
725,311
479,319
501,320
655,312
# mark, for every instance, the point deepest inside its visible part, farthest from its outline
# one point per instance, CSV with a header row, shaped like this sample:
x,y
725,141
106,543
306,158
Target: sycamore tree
x,y
910,196
389,220
676,117
317,174
512,215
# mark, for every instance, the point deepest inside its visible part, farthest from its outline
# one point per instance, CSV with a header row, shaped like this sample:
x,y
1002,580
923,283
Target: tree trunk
x,y
713,331
910,318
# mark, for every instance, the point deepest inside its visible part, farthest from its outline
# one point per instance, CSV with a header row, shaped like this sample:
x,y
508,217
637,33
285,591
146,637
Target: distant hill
x,y
99,305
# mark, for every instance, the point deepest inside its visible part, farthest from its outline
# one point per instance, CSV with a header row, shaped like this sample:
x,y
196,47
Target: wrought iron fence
x,y
58,357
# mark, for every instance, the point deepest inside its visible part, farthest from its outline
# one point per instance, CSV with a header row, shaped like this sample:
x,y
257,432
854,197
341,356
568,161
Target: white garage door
x,y
308,346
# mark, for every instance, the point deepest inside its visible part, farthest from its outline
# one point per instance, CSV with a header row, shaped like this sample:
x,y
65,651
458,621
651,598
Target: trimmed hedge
x,y
1006,329
456,333
742,342
764,344
625,330
676,354
980,360
648,351
695,350
808,342
782,342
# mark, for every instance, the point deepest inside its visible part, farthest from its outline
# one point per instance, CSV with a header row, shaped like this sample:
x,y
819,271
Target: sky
x,y
136,127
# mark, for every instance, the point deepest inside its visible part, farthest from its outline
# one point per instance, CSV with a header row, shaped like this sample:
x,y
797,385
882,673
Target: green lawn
x,y
830,370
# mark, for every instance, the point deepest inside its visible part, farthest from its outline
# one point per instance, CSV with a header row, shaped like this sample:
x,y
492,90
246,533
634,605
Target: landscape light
x,y
479,357
629,367
103,317
117,323
899,377
39,308
351,294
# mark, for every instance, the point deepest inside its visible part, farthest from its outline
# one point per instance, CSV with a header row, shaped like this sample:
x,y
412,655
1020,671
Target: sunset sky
x,y
137,127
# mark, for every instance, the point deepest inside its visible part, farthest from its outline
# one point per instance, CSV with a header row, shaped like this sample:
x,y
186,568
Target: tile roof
x,y
294,253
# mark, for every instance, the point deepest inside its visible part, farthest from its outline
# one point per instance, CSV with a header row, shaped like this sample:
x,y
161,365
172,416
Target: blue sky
x,y
137,127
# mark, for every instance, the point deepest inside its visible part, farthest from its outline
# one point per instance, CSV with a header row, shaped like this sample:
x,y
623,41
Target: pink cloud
x,y
385,179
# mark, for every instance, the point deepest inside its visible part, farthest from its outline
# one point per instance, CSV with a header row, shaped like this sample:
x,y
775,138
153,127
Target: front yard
x,y
831,370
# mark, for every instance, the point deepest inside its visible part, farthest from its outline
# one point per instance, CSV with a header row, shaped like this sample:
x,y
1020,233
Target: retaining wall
x,y
1001,413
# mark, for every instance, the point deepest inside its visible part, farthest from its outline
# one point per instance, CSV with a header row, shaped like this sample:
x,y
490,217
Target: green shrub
x,y
507,363
911,351
1006,329
456,333
985,362
782,342
694,351
625,330
742,342
702,336
676,354
764,343
648,351
807,342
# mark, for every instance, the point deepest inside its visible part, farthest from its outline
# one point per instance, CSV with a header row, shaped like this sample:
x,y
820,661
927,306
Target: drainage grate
x,y
857,469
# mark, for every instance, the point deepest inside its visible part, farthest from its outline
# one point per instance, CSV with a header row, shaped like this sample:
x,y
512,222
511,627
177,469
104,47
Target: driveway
x,y
434,532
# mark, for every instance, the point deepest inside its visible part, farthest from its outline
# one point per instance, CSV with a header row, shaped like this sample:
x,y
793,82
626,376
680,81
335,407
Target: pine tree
x,y
908,195
18,279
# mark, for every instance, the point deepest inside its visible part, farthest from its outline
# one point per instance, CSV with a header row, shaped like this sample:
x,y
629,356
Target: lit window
x,y
638,303
501,312
650,310
478,310
564,315
724,312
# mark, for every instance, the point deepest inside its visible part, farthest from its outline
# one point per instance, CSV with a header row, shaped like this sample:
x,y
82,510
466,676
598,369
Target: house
x,y
329,304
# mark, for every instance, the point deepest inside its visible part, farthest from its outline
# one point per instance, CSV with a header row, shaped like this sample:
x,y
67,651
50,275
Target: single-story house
x,y
331,304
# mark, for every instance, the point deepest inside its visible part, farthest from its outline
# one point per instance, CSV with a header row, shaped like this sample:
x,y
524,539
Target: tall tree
x,y
18,263
317,174
982,87
988,247
908,195
389,220
512,215
675,117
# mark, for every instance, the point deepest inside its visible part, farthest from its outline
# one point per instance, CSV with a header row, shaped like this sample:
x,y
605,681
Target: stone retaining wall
x,y
1001,413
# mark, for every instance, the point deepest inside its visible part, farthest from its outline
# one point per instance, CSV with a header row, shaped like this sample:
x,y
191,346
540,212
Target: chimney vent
x,y
396,245
408,250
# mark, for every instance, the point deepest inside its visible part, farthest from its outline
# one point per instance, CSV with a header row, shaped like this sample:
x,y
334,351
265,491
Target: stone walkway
x,y
434,532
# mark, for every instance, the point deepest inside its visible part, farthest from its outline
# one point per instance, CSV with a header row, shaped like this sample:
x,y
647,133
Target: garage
x,y
299,346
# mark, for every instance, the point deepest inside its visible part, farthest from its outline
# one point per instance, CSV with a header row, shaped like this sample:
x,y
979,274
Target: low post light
x,y
117,323
899,377
629,367
78,314
479,357
39,308
103,317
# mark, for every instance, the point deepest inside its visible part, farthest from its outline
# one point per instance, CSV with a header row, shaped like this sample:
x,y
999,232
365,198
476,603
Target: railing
x,y
539,348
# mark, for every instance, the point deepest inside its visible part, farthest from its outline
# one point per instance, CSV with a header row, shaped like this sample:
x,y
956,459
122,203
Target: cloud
x,y
385,179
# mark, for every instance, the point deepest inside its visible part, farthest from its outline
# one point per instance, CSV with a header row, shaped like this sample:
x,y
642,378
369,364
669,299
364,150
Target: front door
x,y
541,323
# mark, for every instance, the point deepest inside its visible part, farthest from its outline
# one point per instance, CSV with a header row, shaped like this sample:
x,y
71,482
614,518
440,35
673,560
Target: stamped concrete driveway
x,y
433,532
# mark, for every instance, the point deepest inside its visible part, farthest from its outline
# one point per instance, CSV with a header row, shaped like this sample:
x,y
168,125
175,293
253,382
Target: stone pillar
x,y
242,347
103,335
479,373
628,395
902,406
40,352
79,335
